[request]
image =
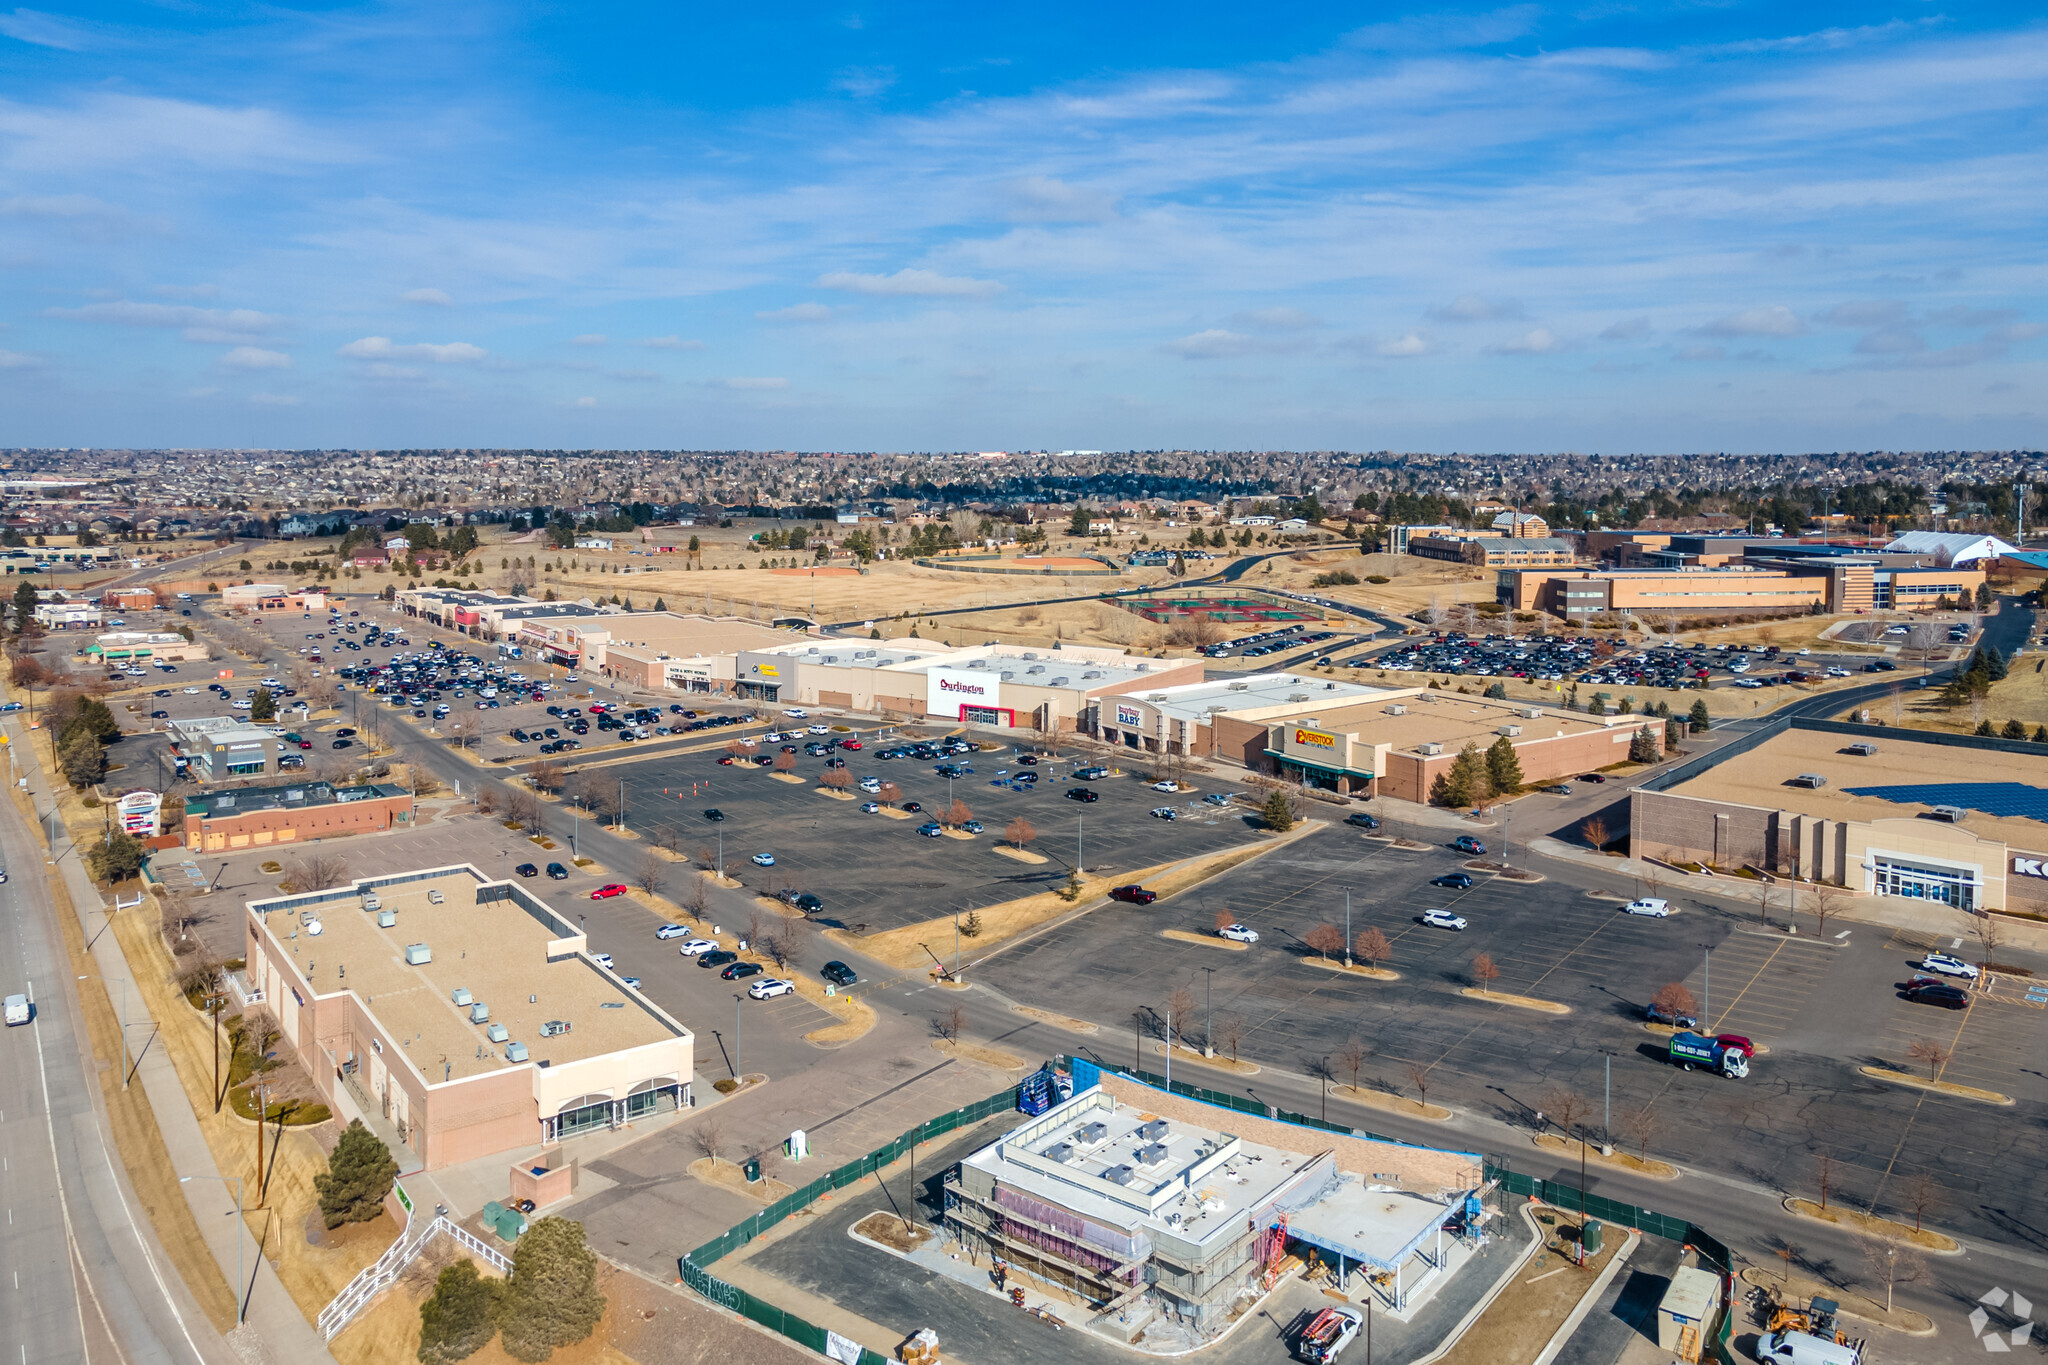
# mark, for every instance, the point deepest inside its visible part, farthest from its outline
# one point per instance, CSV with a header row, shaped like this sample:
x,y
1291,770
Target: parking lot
x,y
874,871
1820,1008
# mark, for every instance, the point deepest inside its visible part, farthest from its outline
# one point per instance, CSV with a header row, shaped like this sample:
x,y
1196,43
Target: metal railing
x,y
375,1279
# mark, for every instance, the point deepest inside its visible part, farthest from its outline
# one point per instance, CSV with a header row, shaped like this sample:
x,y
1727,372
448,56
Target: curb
x,y
1586,1301
1499,1287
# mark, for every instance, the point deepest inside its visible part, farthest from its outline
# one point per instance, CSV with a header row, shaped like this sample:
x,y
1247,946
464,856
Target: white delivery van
x,y
17,1010
1791,1347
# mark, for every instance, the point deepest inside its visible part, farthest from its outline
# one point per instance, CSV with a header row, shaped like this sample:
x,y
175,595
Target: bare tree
x,y
1923,1196
1566,1108
1642,1125
738,749
1484,971
1674,1000
1892,1260
1180,1006
1019,832
1825,1171
1373,946
1594,832
650,873
699,903
1224,919
836,780
316,872
785,763
522,807
709,1138
1229,1032
1990,934
547,776
1930,1053
667,838
464,731
890,794
486,799
1418,1076
957,814
1326,940
1789,1253
1352,1057
1827,900
948,1022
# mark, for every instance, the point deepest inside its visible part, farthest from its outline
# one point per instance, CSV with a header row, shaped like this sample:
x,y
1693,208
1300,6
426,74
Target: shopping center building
x,y
1877,810
460,1016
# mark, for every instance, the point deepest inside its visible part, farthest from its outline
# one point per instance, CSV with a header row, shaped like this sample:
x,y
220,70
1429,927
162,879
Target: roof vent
x,y
1120,1174
1007,675
1091,673
831,658
1397,710
1060,1151
1297,696
1030,653
1509,730
1035,668
1429,750
1059,682
1238,687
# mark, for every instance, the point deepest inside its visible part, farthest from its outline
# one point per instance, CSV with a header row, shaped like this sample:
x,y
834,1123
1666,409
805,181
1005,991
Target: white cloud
x,y
864,82
1628,329
1862,313
45,30
1409,344
383,348
1473,308
672,343
1277,319
1042,199
796,312
755,383
1214,344
907,282
1539,341
256,358
589,339
15,360
1775,320
214,325
586,402
432,297
275,400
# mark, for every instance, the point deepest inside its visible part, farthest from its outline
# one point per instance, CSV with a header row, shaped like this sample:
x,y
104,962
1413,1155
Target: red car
x,y
725,762
1735,1042
607,891
849,744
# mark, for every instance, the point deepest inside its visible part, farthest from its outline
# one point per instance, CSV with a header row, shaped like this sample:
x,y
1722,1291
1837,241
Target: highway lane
x,y
80,1276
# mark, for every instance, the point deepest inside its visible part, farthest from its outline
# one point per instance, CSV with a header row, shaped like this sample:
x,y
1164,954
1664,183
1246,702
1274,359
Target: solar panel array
x,y
1992,798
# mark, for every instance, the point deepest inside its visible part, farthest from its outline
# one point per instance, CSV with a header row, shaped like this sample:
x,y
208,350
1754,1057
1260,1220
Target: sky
x,y
920,226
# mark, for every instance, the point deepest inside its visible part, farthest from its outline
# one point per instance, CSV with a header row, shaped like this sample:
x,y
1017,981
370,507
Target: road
x,y
80,1276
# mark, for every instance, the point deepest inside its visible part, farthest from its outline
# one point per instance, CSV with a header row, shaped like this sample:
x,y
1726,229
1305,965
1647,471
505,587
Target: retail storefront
x,y
762,676
1321,758
1922,878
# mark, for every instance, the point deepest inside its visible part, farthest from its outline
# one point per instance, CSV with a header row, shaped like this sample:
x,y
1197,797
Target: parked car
x,y
670,931
717,958
1166,786
870,807
1457,881
1165,813
603,960
838,973
558,872
930,830
1559,789
1442,919
1238,933
1595,778
1657,1014
1133,895
769,989
1928,990
1082,794
1363,821
1465,843
698,946
1947,965
608,890
740,971
764,860
714,815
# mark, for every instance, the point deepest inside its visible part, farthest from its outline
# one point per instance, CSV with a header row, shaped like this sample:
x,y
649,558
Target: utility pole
x,y
1208,1013
1347,928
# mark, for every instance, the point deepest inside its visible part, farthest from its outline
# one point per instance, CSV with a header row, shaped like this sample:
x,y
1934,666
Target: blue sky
x,y
1619,227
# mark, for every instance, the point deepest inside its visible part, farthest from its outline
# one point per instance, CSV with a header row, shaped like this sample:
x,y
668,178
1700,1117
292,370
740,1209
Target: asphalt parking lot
x,y
1821,1008
879,872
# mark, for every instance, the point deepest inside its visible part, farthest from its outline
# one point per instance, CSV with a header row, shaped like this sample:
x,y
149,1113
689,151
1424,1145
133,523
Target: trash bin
x,y
751,1168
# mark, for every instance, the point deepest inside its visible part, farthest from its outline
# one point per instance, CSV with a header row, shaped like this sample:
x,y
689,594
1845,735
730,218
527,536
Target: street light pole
x,y
1208,1012
241,1289
1347,927
1707,989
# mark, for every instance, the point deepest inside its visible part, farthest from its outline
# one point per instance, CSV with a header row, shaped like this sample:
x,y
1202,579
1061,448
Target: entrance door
x,y
1948,886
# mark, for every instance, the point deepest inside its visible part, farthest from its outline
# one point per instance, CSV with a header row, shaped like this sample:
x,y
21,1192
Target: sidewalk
x,y
275,1330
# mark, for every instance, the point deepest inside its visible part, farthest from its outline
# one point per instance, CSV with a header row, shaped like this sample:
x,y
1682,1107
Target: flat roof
x,y
1759,777
297,796
510,937
1452,720
1192,701
1199,1184
1367,1222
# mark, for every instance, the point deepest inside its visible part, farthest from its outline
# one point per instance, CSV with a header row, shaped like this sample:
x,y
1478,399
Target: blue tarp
x,y
1992,798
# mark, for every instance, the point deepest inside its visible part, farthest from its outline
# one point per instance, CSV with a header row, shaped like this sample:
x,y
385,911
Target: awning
x,y
1332,769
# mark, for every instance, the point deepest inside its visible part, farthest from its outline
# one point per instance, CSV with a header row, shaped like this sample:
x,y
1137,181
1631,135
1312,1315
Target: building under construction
x,y
1124,1196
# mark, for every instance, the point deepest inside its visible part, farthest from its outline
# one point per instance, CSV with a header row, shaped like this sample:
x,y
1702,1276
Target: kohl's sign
x,y
2030,867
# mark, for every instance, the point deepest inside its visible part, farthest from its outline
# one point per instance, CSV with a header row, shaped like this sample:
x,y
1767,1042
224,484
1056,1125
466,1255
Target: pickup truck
x,y
1332,1330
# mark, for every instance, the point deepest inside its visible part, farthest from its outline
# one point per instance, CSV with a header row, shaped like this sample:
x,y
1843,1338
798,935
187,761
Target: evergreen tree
x,y
1077,525
1466,783
357,1178
1278,812
262,706
1984,729
1699,718
1498,692
660,604
2013,730
551,1299
2041,734
460,1318
1674,731
24,604
114,858
82,758
1503,767
1643,748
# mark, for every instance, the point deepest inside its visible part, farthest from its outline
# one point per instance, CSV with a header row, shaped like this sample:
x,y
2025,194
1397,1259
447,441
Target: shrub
x,y
551,1298
357,1178
1377,578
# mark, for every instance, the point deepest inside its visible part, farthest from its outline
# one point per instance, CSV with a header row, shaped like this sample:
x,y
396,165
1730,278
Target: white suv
x,y
1442,919
1948,966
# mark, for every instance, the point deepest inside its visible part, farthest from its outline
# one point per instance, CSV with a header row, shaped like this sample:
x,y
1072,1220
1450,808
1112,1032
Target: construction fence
x,y
1556,1193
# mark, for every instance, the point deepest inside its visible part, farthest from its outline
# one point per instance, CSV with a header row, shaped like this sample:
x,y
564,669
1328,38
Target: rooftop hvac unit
x,y
1429,750
1035,668
1151,1154
1509,730
1532,713
462,997
1060,1151
1297,696
1030,653
1092,673
1238,687
1092,1133
515,1052
386,919
370,901
418,954
1059,682
1119,1174
479,1013
496,1033
831,658
1006,675
1153,1130
1397,710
